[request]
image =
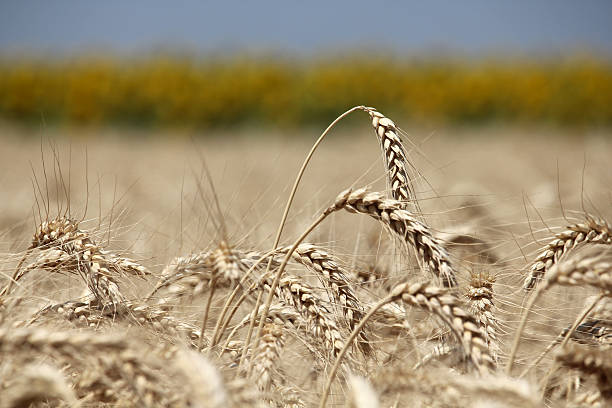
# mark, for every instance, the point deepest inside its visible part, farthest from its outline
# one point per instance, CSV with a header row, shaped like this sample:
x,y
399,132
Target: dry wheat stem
x,y
206,311
349,340
284,219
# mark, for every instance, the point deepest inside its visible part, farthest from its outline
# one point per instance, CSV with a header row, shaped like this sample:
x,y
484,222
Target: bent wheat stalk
x,y
388,131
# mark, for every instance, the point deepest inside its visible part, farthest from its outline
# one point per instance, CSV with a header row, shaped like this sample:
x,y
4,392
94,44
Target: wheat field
x,y
416,267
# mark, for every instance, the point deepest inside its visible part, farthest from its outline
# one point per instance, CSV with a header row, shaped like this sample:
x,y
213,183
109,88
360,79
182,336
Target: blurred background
x,y
507,107
288,64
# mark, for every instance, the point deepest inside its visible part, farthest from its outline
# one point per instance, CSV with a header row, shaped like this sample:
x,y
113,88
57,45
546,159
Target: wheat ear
x,y
395,158
66,247
267,356
404,224
36,384
362,395
443,304
592,361
311,307
66,343
593,231
586,269
479,296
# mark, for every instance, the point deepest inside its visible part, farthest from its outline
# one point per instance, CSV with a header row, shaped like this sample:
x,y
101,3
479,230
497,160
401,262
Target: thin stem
x,y
582,317
233,312
249,334
567,335
232,296
206,310
519,330
347,344
281,269
290,201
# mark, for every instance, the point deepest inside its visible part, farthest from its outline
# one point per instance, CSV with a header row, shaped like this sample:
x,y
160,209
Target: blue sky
x,y
302,27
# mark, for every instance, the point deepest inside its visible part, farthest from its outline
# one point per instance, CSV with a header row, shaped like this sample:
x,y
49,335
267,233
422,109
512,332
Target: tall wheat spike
x,y
395,158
